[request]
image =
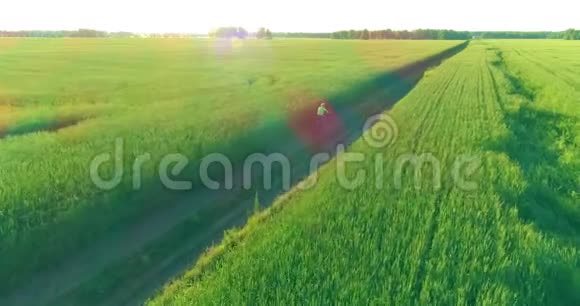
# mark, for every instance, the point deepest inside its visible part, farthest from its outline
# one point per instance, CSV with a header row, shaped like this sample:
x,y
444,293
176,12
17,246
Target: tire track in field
x,y
442,195
485,80
438,202
495,86
428,245
429,120
422,130
497,210
433,227
427,116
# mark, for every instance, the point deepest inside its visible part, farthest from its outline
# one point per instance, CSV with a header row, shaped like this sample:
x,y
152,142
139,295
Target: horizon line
x,y
308,32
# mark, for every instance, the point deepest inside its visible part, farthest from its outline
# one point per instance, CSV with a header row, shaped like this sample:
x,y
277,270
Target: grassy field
x,y
64,101
512,240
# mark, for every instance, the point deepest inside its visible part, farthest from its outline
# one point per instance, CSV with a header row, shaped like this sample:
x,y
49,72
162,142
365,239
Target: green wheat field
x,y
514,239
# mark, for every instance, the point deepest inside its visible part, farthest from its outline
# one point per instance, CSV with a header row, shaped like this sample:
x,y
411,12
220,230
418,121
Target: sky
x,y
158,16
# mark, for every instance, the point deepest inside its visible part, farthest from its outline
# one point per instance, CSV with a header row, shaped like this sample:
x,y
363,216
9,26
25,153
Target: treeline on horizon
x,y
433,34
241,33
390,34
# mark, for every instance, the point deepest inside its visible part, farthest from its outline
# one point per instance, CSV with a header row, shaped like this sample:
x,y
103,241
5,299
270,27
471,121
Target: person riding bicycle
x,y
322,111
321,114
